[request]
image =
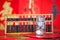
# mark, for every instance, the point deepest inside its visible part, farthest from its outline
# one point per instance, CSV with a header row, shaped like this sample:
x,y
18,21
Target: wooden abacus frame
x,y
15,15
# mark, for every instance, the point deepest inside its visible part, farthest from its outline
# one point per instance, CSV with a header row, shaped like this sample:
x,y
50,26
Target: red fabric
x,y
57,21
8,39
2,32
34,39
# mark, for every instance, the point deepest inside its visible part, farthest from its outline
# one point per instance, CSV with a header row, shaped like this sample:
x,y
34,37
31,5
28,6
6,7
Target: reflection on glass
x,y
40,20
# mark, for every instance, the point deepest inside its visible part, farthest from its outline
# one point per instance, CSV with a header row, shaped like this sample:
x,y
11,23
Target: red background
x,y
43,6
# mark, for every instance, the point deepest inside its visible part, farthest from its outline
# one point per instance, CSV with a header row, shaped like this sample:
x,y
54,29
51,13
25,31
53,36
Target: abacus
x,y
26,23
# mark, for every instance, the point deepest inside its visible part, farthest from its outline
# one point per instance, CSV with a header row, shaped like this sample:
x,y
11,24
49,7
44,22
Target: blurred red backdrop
x,y
42,6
